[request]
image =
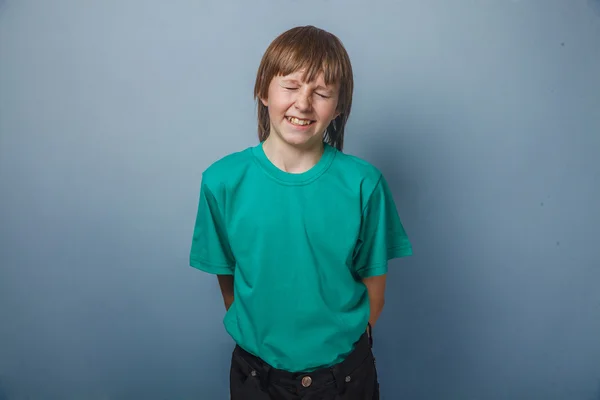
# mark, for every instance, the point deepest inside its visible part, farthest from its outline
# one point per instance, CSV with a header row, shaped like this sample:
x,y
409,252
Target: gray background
x,y
483,114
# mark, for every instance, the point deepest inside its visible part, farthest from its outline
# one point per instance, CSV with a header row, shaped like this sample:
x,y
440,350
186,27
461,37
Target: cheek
x,y
276,107
280,103
276,111
327,111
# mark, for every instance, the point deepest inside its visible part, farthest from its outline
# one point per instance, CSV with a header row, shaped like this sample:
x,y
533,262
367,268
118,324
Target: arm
x,y
381,238
210,251
376,288
226,285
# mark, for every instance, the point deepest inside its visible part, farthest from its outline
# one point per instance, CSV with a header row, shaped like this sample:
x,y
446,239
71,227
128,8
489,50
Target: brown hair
x,y
315,51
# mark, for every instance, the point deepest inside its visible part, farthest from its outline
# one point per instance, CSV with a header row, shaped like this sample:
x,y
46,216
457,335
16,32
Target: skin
x,y
376,288
226,285
293,148
296,149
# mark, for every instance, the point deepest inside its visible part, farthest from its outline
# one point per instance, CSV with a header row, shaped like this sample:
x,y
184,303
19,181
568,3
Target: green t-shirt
x,y
298,246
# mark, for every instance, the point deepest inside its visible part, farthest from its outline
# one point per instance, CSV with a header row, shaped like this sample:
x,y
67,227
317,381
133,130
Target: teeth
x,y
297,121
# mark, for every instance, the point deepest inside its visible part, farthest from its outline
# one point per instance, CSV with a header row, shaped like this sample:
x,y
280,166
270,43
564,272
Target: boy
x,y
299,234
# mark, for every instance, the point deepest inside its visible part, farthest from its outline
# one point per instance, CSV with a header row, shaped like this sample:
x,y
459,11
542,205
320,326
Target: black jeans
x,y
355,378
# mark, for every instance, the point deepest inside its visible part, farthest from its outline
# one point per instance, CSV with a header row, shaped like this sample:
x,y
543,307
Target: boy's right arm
x,y
210,250
226,284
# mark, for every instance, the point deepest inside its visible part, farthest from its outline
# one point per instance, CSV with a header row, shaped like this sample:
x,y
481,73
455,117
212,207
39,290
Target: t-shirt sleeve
x,y
210,251
382,236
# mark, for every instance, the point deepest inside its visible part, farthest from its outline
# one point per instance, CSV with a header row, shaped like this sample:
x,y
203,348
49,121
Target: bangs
x,y
312,57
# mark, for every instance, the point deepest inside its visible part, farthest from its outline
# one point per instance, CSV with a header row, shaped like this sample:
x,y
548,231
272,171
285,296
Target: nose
x,y
303,102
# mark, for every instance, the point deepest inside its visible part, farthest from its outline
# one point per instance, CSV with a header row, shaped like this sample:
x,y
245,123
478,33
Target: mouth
x,y
299,121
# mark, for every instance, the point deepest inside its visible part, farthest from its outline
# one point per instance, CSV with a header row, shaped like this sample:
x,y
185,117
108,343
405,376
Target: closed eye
x,y
323,96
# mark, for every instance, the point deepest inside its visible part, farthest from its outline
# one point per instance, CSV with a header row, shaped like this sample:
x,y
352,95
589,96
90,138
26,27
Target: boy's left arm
x,y
376,288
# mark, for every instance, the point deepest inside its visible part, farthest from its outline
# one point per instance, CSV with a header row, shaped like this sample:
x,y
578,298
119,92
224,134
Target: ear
x,y
338,109
264,101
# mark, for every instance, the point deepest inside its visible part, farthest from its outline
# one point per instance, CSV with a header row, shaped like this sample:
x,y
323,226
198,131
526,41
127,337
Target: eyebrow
x,y
290,82
325,89
296,82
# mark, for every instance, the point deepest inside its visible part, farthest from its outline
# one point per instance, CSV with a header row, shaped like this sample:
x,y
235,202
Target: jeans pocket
x,y
239,372
244,380
361,384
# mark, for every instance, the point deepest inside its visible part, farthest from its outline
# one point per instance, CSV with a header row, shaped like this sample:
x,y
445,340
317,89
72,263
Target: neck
x,y
292,159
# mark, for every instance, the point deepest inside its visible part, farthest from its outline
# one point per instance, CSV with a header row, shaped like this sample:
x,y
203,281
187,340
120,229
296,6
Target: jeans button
x,y
306,381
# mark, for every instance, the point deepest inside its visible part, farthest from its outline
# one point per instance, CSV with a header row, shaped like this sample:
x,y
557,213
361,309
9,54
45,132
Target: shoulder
x,y
359,171
227,168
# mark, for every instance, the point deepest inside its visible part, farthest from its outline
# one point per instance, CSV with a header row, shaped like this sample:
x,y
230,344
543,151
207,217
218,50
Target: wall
x,y
484,115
